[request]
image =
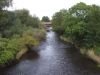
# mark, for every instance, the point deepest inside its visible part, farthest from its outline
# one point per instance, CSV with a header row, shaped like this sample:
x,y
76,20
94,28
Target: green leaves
x,y
8,50
5,3
18,30
45,19
81,23
10,47
6,56
57,21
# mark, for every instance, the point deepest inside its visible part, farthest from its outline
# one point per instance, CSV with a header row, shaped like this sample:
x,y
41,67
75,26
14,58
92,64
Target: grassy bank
x,y
14,48
90,53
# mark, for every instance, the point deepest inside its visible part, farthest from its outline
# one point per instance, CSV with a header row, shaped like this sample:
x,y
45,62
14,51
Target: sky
x,y
42,8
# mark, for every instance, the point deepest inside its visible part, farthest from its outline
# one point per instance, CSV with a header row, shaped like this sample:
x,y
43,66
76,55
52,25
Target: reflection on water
x,y
55,58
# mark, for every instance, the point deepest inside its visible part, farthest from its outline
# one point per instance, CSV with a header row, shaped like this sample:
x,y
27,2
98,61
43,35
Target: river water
x,y
55,58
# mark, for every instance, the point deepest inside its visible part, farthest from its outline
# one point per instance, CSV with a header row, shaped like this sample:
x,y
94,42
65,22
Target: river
x,y
55,58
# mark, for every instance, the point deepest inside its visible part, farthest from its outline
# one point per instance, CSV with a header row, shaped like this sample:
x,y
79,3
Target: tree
x,y
6,21
57,20
5,16
22,15
81,23
45,19
5,3
26,19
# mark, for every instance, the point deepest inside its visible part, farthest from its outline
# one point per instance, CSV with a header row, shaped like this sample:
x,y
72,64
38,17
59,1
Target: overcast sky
x,y
47,7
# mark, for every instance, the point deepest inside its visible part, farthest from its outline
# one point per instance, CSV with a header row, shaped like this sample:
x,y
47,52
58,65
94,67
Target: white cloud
x,y
47,7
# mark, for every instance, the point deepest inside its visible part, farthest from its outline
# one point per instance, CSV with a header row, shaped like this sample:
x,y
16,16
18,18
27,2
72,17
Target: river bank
x,y
19,46
88,53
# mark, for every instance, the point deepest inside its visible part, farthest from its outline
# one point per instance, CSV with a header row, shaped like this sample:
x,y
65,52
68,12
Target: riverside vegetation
x,y
80,25
18,32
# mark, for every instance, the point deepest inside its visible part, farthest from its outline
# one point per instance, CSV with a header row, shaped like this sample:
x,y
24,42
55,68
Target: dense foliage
x,y
80,24
18,31
45,19
5,3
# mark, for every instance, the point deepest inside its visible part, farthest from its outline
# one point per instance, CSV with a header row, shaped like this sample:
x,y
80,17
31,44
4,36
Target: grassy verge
x,y
90,53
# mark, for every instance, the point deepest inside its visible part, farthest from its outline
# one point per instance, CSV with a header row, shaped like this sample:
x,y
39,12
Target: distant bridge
x,y
47,24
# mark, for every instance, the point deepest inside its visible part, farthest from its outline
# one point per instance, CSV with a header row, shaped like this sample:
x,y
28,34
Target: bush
x,y
10,47
6,56
8,50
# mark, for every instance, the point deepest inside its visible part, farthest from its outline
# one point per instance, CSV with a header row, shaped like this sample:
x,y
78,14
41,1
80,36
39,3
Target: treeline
x,y
18,31
80,25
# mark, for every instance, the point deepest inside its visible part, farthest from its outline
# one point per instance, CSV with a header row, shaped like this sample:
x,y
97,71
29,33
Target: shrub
x,y
8,50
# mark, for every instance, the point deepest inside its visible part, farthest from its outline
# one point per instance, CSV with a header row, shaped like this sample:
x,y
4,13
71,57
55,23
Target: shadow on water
x,y
82,63
30,55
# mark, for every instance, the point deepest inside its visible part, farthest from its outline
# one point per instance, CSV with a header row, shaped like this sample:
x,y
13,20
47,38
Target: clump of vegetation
x,y
81,24
18,30
8,50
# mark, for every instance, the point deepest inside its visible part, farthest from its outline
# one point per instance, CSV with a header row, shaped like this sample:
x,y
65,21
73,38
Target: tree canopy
x,y
81,23
45,19
5,3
